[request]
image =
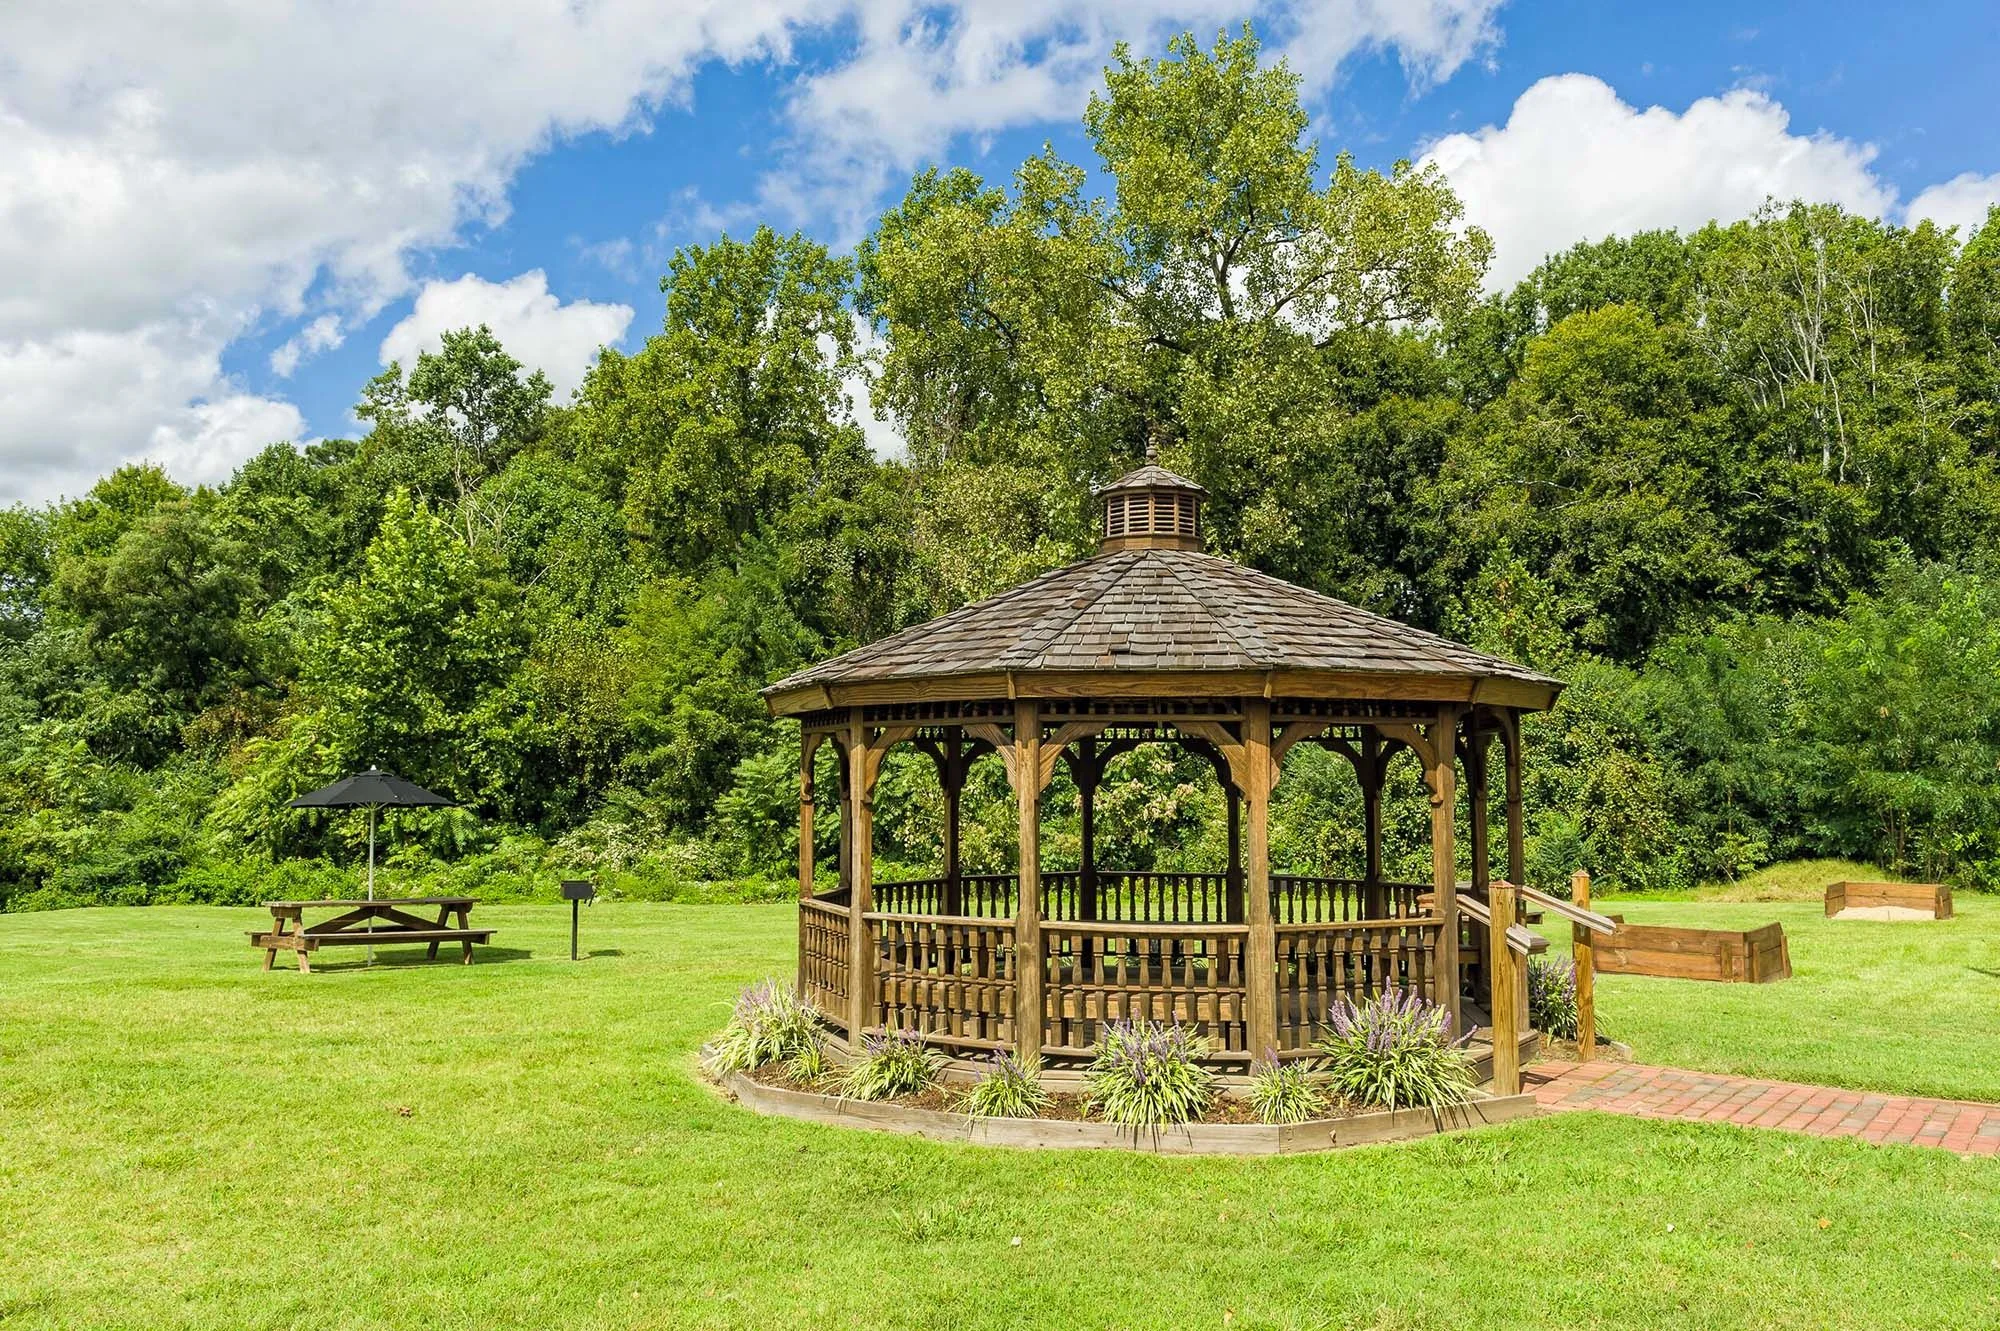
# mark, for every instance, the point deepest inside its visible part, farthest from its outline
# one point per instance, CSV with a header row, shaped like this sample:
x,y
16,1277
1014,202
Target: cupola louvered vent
x,y
1151,508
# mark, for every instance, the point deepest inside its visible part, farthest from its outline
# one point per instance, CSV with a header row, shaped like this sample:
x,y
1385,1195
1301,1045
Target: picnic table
x,y
360,922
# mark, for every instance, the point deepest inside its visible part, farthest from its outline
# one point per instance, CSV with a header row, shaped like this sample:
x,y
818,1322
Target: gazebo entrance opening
x,y
1153,641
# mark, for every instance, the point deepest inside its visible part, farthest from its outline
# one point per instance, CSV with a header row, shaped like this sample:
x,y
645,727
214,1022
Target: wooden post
x,y
1260,953
1232,904
1584,943
1444,858
806,750
845,860
1503,898
861,894
1476,741
1517,850
1087,770
1374,900
951,773
1485,984
1028,962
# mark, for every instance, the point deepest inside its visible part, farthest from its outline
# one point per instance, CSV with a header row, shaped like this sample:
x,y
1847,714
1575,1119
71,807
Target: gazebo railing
x,y
1320,964
1311,899
954,977
1153,897
949,976
1099,973
823,954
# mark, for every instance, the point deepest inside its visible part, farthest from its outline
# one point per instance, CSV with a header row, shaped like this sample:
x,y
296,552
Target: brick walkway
x,y
1823,1111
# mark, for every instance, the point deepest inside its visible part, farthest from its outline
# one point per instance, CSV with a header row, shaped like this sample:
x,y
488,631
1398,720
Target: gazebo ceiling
x,y
1161,620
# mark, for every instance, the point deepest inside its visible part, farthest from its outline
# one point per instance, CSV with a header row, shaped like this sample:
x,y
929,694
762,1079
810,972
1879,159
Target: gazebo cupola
x,y
1150,509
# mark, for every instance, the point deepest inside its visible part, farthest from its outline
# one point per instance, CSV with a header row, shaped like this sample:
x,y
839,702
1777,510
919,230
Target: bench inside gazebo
x,y
1152,640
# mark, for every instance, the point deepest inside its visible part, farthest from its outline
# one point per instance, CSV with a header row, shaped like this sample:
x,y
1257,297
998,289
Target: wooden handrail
x,y
1519,937
1400,922
1569,910
1145,929
1001,923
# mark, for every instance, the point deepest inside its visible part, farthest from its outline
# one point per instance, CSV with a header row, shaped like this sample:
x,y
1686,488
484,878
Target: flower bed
x,y
1229,1129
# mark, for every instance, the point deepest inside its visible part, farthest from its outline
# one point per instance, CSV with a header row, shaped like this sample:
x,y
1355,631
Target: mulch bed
x,y
1066,1106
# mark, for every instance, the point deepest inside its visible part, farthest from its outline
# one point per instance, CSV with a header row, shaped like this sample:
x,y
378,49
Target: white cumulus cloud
x,y
536,329
1961,201
1574,162
921,74
322,334
77,404
175,176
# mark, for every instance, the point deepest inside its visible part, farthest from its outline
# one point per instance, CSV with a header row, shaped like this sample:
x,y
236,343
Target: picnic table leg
x,y
465,922
431,953
270,955
305,966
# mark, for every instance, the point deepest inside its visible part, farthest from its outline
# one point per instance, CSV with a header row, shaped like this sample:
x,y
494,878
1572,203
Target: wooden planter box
x,y
1192,1139
1757,956
1934,899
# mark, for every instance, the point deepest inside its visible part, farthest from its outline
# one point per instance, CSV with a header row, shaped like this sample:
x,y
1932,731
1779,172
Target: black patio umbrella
x,y
373,790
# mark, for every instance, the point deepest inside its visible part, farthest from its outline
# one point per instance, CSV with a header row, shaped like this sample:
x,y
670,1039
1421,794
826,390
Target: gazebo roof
x,y
1151,476
1194,623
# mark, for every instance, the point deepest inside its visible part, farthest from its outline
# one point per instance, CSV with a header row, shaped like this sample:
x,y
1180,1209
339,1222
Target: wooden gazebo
x,y
1151,640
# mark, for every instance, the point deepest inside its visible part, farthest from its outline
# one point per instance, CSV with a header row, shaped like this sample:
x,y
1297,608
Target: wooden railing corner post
x,y
1029,961
1503,901
1585,950
1260,969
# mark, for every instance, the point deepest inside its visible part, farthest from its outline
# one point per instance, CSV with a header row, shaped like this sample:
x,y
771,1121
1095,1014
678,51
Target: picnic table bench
x,y
381,921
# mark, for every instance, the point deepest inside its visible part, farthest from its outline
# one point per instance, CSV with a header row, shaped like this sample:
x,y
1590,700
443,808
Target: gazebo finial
x,y
1153,433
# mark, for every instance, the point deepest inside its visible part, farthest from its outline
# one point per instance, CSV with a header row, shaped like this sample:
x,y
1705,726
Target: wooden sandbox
x,y
1755,956
1930,899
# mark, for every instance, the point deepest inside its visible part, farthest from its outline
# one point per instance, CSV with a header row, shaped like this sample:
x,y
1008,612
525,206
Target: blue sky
x,y
217,223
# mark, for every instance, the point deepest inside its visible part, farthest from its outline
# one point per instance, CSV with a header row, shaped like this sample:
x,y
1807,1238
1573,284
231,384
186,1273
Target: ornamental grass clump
x,y
1148,1075
1395,1051
770,1023
1552,996
1012,1088
1285,1092
894,1063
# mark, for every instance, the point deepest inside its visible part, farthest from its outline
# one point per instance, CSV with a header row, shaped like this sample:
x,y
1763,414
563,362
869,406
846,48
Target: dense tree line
x,y
1739,486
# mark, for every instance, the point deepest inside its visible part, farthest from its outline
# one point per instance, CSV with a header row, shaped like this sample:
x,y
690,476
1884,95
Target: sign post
x,y
576,891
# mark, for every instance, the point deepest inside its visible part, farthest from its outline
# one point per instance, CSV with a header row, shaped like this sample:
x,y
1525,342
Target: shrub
x,y
1012,1089
1148,1075
1285,1092
896,1063
1552,996
769,1024
811,1065
1395,1051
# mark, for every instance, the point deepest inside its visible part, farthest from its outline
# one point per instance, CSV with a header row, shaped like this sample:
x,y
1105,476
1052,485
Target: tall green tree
x,y
1220,299
737,409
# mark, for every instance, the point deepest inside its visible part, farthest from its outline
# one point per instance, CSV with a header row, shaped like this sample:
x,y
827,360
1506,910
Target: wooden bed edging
x,y
1754,956
1934,898
1192,1139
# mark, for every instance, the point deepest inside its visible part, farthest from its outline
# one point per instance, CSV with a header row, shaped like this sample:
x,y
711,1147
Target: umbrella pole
x,y
371,878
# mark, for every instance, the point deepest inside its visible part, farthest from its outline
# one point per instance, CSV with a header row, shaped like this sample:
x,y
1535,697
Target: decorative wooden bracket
x,y
1233,750
1426,746
1002,743
1052,747
878,746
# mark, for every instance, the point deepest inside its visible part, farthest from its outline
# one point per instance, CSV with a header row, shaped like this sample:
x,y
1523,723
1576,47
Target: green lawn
x,y
194,1143
1908,1006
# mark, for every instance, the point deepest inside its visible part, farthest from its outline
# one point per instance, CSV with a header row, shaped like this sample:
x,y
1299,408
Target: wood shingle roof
x,y
1158,610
